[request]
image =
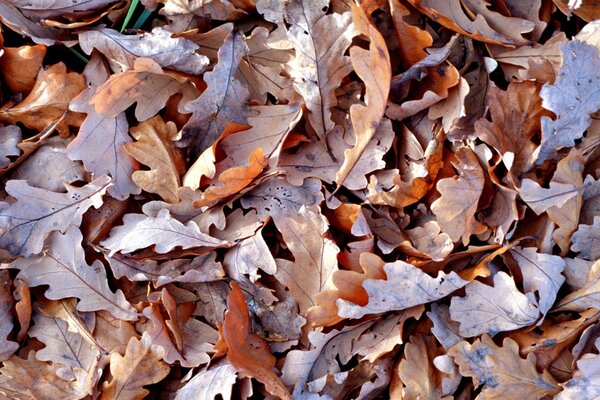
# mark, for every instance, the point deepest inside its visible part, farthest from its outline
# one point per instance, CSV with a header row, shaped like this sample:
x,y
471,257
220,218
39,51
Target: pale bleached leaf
x,y
405,287
63,268
163,231
586,240
207,384
540,199
9,137
25,223
492,309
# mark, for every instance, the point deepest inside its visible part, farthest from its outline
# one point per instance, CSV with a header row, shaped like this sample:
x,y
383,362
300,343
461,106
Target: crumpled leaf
x,y
207,384
140,366
99,142
405,287
163,231
223,101
320,65
493,309
48,101
248,352
487,26
572,97
155,148
25,223
174,53
145,84
457,207
501,370
10,136
62,266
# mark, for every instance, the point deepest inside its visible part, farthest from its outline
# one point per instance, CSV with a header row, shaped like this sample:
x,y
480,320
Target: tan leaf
x,y
405,287
584,298
25,223
585,9
314,257
7,346
223,101
122,50
248,256
572,97
10,136
48,100
584,383
586,240
373,67
140,366
20,67
493,309
163,231
63,267
320,65
207,384
487,26
145,84
429,240
99,142
457,207
12,17
17,376
501,370
248,352
182,338
155,148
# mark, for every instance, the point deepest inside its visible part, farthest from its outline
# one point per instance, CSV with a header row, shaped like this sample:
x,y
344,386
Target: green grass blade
x,y
129,14
142,19
79,55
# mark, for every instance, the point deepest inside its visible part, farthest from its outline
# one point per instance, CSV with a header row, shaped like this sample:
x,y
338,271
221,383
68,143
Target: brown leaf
x,y
140,366
20,67
155,148
48,100
37,212
501,370
456,209
248,352
373,67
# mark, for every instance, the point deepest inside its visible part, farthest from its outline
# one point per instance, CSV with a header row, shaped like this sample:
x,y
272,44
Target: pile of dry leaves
x,y
300,199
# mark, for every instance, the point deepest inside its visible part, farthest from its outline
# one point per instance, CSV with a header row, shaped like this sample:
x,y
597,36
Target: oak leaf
x,y
25,223
487,309
320,41
248,352
246,257
7,346
540,199
584,383
586,297
145,84
155,148
457,207
209,383
586,240
140,366
62,266
405,287
48,101
158,45
163,231
572,97
20,67
99,142
10,136
501,370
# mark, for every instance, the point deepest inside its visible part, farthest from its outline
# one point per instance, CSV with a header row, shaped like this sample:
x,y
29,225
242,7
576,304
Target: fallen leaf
x,y
493,309
7,346
10,136
207,384
501,370
456,208
140,366
37,212
48,100
572,97
416,288
122,50
584,383
246,257
586,240
20,66
540,199
247,352
62,266
155,148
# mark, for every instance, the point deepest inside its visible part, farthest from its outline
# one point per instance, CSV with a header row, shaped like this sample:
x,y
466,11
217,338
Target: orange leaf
x,y
248,352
